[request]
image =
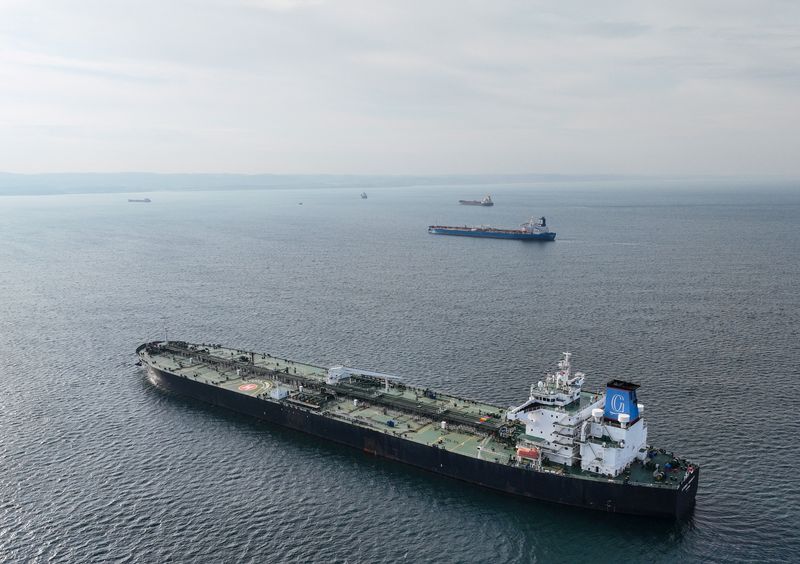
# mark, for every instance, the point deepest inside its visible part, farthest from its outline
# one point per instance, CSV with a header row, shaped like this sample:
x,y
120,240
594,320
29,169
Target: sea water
x,y
691,291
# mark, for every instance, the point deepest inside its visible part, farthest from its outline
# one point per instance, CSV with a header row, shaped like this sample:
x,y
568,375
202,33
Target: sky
x,y
400,87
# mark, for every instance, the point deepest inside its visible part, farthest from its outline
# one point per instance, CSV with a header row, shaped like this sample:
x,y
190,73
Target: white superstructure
x,y
602,433
534,225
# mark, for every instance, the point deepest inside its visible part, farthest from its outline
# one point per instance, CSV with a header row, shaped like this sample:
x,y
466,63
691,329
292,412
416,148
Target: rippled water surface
x,y
691,293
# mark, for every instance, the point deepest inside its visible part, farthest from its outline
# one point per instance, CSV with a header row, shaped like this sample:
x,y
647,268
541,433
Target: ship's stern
x,y
684,504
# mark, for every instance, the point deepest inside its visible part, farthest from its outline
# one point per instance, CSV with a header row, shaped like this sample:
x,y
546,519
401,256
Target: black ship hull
x,y
611,497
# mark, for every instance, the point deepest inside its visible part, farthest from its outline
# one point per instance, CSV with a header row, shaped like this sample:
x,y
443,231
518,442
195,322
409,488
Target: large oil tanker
x,y
562,444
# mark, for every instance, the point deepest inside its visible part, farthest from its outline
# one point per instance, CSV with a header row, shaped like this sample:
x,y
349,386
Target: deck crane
x,y
338,373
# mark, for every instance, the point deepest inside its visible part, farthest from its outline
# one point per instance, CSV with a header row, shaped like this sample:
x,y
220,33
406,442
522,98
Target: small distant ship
x,y
141,201
533,230
486,201
363,195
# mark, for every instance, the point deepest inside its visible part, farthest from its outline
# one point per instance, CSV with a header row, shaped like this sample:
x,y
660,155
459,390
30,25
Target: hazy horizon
x,y
13,184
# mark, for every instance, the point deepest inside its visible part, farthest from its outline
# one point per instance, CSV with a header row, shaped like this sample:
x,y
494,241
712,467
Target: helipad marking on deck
x,y
248,387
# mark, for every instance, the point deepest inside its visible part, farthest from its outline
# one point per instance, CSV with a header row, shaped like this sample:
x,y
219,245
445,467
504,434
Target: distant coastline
x,y
15,184
127,182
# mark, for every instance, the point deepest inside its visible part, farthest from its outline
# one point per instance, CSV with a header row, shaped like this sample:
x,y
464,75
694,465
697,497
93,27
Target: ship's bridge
x,y
558,389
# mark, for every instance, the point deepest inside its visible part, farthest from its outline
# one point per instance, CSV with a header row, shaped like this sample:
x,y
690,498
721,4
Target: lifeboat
x,y
532,453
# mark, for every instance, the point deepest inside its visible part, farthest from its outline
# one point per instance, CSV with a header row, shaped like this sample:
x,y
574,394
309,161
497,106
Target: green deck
x,y
261,373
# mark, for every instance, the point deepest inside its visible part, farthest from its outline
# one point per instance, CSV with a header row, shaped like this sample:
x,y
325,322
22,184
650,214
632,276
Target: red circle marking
x,y
248,387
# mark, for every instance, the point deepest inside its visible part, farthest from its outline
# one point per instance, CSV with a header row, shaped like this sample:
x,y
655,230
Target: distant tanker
x,y
533,230
486,201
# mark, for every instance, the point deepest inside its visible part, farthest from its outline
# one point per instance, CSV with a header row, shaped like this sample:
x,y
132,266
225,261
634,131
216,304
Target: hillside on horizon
x,y
16,184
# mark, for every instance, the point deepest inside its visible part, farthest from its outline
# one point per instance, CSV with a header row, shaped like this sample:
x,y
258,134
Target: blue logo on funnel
x,y
621,398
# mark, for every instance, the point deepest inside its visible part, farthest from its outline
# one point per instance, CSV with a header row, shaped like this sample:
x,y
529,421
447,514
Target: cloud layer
x,y
400,87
